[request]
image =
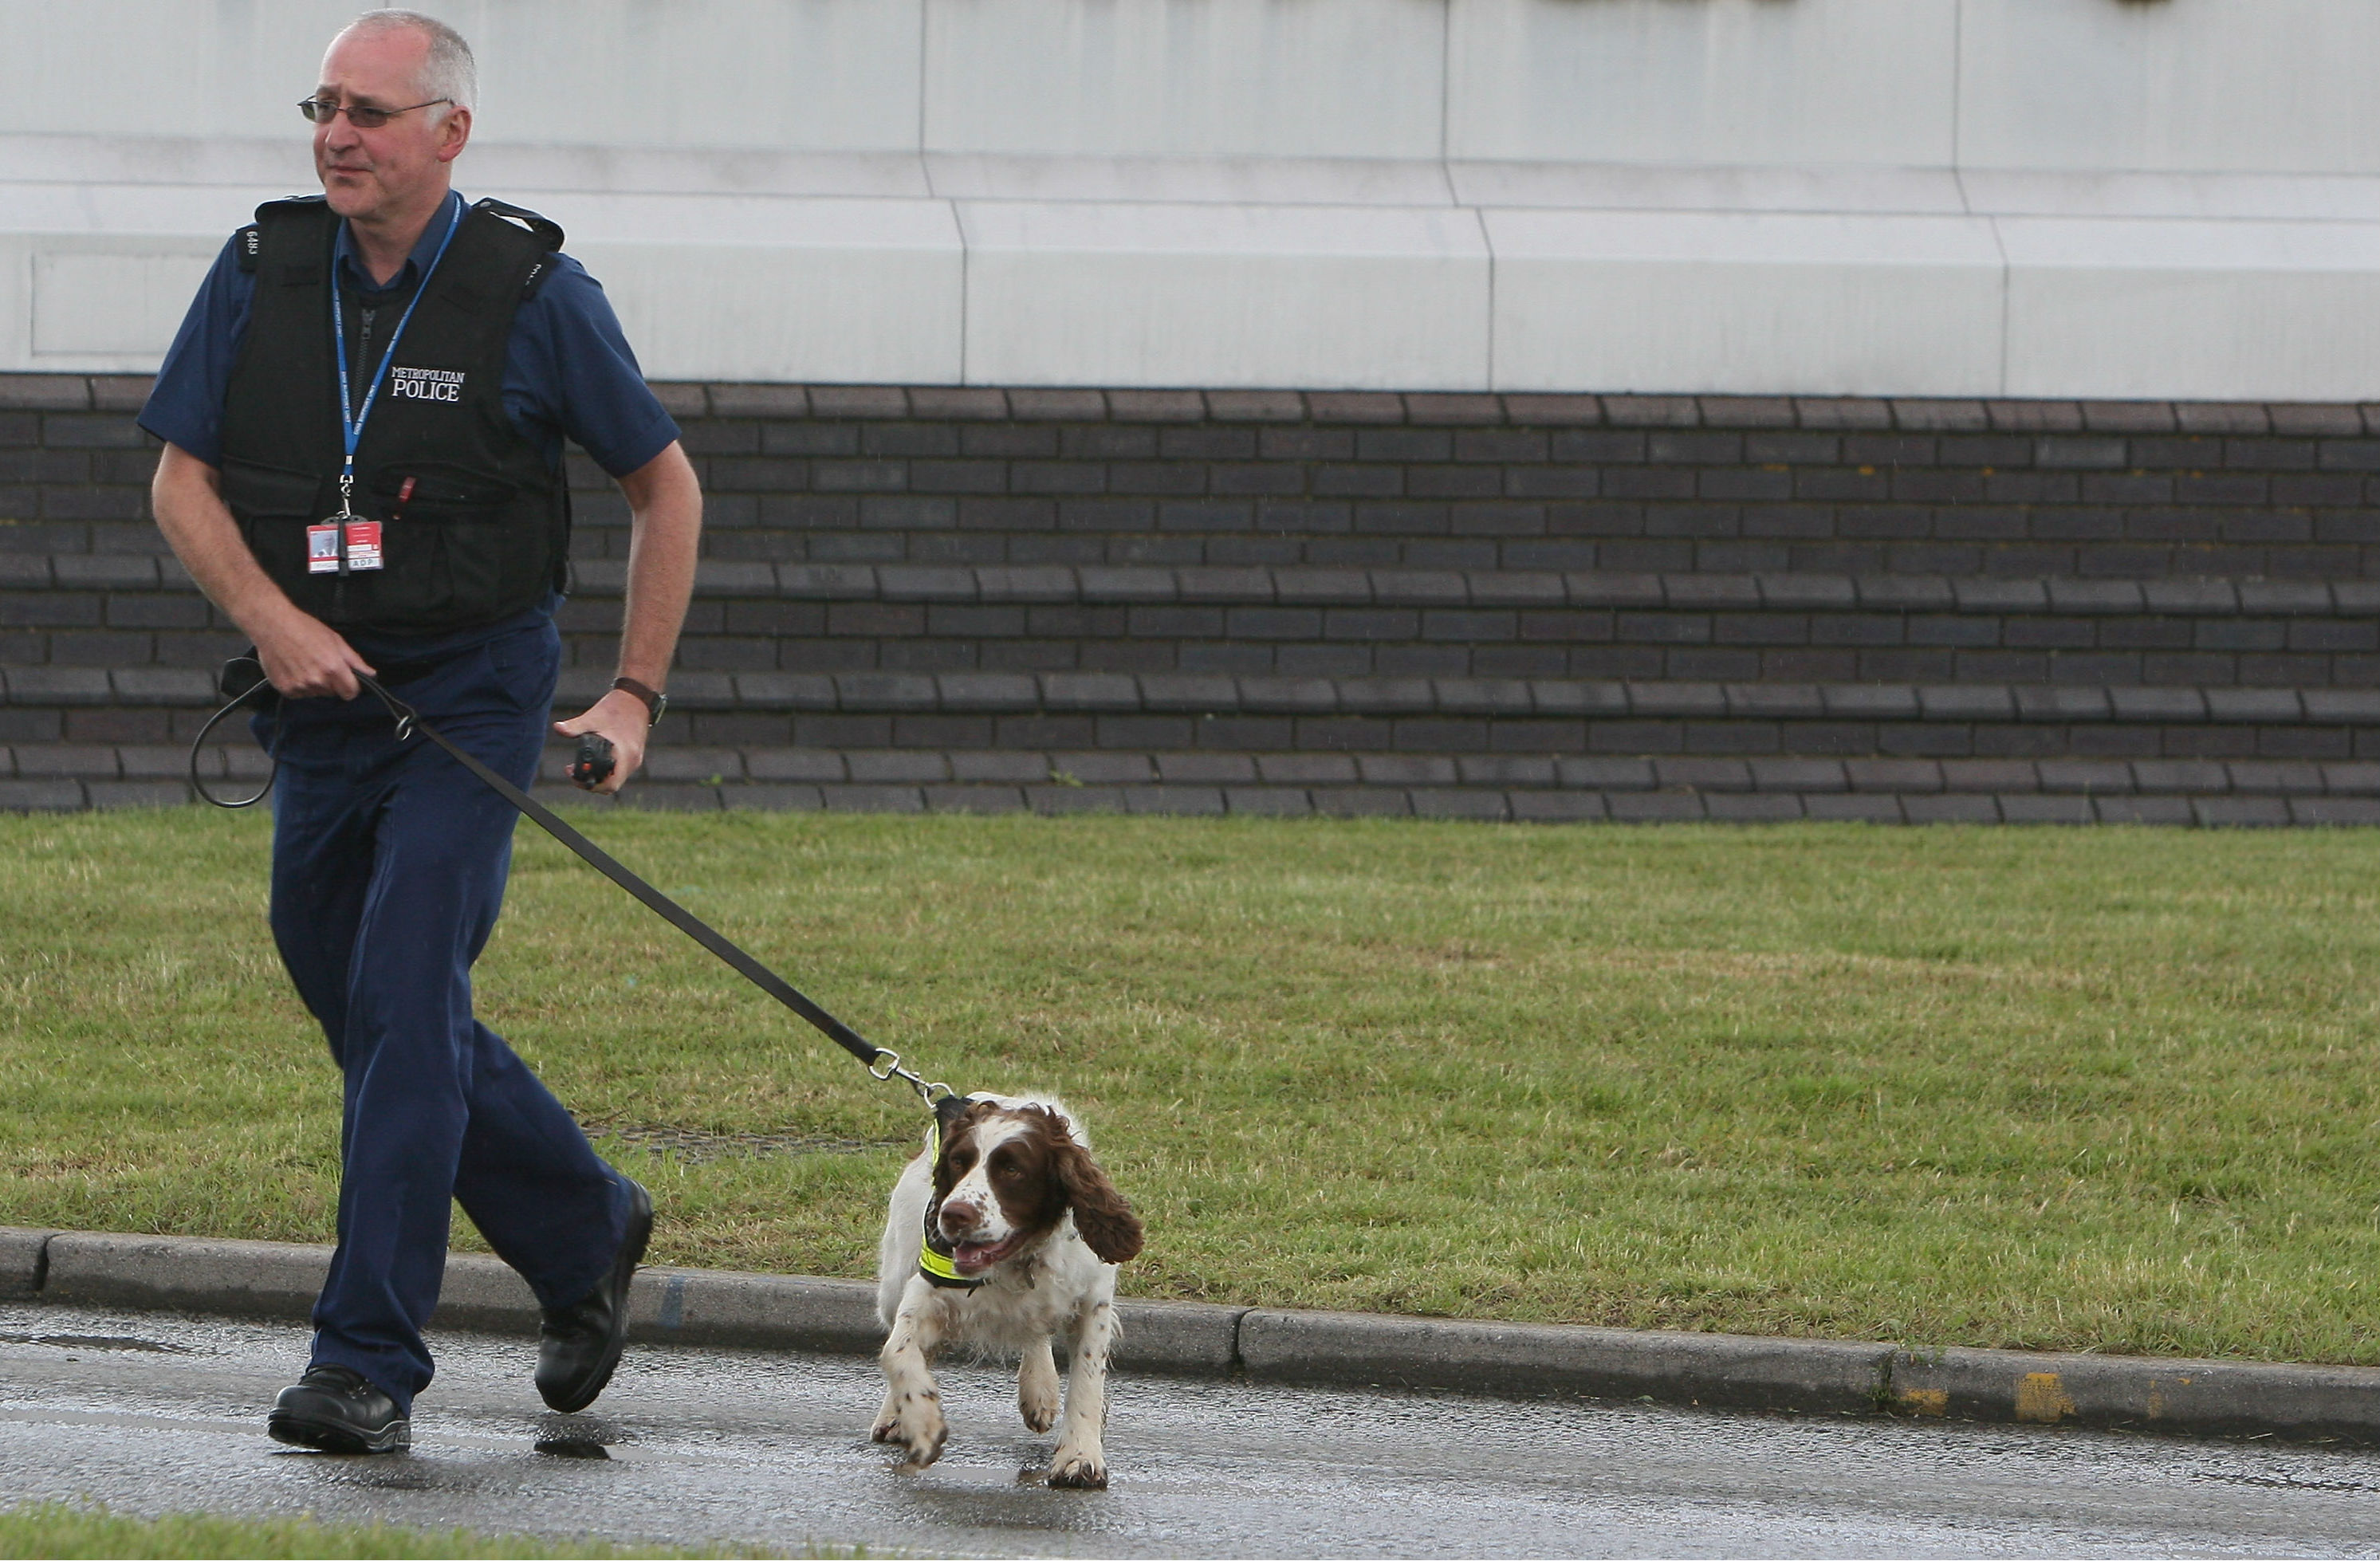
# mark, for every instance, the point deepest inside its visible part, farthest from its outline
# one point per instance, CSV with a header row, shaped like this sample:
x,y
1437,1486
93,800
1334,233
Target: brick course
x,y
1310,591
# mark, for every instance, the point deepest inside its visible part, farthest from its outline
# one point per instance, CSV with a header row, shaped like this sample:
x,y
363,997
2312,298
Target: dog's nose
x,y
959,1218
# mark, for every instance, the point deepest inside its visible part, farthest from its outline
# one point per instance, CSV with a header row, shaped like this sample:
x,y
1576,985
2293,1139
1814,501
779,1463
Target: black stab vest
x,y
486,530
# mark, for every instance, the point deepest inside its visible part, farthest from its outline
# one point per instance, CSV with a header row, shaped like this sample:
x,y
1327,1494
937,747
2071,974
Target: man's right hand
x,y
306,658
303,656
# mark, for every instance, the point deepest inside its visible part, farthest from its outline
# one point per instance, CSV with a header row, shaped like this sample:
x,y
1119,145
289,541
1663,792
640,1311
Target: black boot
x,y
336,1409
578,1345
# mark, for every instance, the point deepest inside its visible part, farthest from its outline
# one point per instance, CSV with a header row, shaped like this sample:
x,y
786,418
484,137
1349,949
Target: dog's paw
x,y
1073,1470
918,1427
1036,1397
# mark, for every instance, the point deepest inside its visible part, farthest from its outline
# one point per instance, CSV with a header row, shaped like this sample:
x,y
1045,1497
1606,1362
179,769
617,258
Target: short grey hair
x,y
449,72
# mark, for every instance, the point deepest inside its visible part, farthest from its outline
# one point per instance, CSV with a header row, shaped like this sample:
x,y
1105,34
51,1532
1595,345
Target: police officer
x,y
364,415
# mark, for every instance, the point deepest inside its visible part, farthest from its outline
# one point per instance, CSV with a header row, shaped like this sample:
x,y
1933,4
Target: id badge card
x,y
323,548
340,541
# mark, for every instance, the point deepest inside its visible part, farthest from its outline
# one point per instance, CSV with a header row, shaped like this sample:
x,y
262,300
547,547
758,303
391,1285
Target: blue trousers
x,y
389,862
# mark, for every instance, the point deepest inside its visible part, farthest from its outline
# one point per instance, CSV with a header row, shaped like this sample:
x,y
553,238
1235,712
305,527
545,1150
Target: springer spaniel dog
x,y
999,1236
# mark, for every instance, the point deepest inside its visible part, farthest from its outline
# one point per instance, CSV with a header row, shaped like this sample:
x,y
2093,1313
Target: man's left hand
x,y
622,719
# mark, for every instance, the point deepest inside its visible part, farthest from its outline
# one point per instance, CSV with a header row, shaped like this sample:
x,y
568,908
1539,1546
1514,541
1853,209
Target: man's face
x,y
400,167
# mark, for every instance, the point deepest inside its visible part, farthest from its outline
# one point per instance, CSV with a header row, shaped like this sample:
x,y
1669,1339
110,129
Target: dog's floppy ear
x,y
1104,1219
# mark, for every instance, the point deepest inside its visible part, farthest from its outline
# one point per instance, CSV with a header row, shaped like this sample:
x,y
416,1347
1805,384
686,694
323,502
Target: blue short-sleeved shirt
x,y
568,373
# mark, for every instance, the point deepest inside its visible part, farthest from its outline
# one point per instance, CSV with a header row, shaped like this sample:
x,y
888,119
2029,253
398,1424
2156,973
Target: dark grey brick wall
x,y
1500,606
1618,484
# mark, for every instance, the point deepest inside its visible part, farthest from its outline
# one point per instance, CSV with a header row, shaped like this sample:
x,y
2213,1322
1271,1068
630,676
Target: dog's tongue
x,y
972,1255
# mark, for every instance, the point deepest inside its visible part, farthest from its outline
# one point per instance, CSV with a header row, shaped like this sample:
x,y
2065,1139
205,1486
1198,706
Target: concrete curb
x,y
1339,1348
480,1294
1534,1360
2203,1398
24,1260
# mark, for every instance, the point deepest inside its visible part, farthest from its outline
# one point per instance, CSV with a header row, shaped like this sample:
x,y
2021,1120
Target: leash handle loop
x,y
198,744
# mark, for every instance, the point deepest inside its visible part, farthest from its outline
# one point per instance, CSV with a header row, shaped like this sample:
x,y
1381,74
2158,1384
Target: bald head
x,y
445,70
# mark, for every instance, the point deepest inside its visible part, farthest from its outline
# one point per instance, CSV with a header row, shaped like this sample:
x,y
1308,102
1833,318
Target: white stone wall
x,y
2152,198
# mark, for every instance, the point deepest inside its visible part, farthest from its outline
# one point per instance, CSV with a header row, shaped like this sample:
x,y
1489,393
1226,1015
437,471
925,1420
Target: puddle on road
x,y
579,1435
94,1341
2285,1482
569,1448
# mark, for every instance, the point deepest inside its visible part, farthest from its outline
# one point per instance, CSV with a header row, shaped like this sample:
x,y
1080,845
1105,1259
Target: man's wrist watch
x,y
655,700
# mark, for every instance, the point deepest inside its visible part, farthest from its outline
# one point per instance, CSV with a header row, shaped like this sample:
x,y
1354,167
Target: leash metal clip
x,y
887,1065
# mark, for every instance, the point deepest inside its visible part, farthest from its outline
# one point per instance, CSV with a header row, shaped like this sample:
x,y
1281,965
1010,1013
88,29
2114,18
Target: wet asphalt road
x,y
151,1413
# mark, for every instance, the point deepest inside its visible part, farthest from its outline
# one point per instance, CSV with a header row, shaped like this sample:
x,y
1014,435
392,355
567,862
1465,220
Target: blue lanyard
x,y
351,422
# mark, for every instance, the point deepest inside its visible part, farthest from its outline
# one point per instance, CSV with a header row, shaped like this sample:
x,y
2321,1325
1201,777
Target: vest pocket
x,y
268,489
455,550
442,532
273,506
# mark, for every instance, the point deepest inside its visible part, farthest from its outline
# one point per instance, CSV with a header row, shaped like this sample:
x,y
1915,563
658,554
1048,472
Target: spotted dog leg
x,y
912,1415
1036,1386
1080,1463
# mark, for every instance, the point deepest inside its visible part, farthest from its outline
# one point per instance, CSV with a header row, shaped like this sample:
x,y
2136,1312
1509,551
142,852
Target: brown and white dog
x,y
1034,1232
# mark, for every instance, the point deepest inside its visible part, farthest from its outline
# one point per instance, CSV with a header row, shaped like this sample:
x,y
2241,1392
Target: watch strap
x,y
655,700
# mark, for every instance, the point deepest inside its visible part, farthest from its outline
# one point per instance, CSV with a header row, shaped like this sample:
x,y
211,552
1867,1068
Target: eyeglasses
x,y
320,111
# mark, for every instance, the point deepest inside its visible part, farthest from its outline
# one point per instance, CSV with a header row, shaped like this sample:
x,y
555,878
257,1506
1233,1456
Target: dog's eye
x,y
1007,1170
961,1159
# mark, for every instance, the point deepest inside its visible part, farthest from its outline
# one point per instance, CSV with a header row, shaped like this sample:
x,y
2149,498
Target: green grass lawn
x,y
2097,1089
57,1530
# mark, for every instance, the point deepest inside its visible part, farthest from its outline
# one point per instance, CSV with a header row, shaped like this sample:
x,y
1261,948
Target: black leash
x,y
593,763
236,682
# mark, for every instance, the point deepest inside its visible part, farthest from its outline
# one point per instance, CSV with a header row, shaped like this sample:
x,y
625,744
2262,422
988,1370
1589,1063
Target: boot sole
x,y
333,1436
